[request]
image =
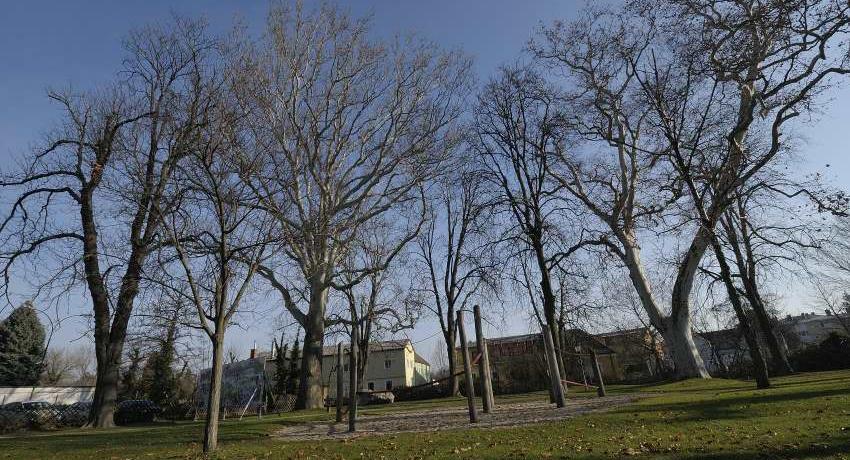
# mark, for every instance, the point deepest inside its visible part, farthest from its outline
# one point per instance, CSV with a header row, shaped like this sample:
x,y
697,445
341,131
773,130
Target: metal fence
x,y
16,417
284,403
43,418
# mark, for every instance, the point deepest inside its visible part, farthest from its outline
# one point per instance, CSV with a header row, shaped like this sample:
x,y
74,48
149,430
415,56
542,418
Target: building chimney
x,y
254,351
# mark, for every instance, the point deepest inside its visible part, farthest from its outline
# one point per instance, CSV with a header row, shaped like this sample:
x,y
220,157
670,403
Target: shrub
x,y
12,421
831,354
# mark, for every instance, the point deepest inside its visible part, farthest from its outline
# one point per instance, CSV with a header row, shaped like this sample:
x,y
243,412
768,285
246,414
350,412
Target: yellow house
x,y
392,364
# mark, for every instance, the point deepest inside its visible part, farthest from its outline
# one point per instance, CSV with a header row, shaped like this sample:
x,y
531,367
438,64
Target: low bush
x,y
831,354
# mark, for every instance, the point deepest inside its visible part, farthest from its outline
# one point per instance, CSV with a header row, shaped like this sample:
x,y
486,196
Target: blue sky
x,y
60,43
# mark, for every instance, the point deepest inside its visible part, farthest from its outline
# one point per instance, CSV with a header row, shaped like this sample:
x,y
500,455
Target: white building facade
x,y
392,364
812,329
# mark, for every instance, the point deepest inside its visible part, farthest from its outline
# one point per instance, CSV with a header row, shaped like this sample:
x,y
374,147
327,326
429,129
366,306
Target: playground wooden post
x,y
352,380
600,385
552,362
483,364
339,383
467,370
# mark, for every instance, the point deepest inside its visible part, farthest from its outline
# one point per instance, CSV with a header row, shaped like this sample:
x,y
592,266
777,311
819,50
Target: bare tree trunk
x,y
778,353
451,340
106,384
676,328
310,380
554,375
214,398
110,354
363,349
747,269
756,353
106,388
549,309
679,341
677,331
484,372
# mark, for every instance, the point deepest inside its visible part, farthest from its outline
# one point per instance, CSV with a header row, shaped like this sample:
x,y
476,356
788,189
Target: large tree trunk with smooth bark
x,y
678,331
679,342
676,328
310,380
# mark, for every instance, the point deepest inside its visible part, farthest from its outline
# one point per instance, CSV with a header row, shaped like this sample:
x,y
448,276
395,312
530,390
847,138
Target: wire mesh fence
x,y
277,405
41,416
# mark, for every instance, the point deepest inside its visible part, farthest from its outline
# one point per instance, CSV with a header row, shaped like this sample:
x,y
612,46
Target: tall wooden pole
x,y
483,364
467,370
600,385
352,380
554,372
262,402
339,385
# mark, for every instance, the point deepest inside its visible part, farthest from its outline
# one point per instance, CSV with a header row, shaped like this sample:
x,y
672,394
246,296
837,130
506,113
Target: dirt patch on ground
x,y
505,415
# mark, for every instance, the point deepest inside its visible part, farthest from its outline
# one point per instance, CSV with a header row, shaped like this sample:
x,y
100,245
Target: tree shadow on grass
x,y
817,450
725,407
140,436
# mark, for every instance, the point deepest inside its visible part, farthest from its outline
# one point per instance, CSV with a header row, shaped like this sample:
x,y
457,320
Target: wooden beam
x,y
484,371
352,380
600,385
554,372
339,385
467,370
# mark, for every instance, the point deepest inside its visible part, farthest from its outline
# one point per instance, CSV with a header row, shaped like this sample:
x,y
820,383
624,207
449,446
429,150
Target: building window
x,y
371,386
389,385
345,367
388,363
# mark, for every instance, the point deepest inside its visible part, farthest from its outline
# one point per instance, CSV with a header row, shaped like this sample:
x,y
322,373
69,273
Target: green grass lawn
x,y
802,416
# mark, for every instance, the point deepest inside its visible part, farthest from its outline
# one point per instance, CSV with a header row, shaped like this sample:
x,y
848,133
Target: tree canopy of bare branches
x,y
455,253
344,130
96,193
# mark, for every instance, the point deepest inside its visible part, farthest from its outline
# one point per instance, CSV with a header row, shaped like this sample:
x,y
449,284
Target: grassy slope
x,y
804,416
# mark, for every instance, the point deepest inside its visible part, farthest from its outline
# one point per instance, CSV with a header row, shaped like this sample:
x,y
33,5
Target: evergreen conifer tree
x,y
294,367
21,347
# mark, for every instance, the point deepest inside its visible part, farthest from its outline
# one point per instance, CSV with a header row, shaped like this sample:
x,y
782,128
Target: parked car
x,y
76,414
368,398
12,418
136,411
38,414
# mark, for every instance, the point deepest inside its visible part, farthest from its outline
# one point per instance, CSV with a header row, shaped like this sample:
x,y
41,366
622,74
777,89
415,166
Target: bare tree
x,y
833,259
344,131
378,303
611,168
722,97
455,253
769,228
217,240
111,164
55,367
519,125
71,366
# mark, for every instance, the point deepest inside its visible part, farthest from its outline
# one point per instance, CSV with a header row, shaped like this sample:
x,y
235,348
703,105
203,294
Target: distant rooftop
x,y
373,346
